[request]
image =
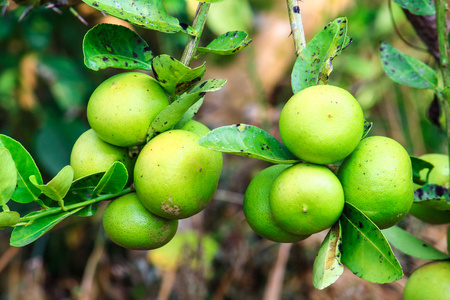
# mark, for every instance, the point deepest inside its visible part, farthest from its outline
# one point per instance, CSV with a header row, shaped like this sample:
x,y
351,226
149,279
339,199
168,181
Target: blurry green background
x,y
44,89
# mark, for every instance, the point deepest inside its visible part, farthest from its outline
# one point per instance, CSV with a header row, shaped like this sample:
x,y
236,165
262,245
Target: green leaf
x,y
170,116
174,76
114,180
228,43
314,64
419,165
57,188
248,140
327,265
24,235
6,3
433,196
149,14
210,1
108,45
407,70
8,177
25,191
365,251
367,127
418,7
411,245
9,218
189,114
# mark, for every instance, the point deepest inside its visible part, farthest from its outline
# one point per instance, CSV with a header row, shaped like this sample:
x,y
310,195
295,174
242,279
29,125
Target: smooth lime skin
x,y
174,176
438,175
196,127
257,207
321,124
129,224
91,155
121,109
306,198
429,282
377,179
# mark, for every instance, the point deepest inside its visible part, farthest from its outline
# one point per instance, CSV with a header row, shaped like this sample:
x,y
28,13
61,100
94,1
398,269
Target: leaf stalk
x,y
297,31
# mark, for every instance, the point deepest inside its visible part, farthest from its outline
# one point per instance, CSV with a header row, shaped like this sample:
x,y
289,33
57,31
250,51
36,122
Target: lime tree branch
x,y
441,9
55,210
198,25
295,18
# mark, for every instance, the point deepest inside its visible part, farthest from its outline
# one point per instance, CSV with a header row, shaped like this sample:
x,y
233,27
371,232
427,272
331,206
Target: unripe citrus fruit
x,y
121,109
129,224
306,198
92,155
257,208
429,282
196,127
174,176
321,124
438,175
377,179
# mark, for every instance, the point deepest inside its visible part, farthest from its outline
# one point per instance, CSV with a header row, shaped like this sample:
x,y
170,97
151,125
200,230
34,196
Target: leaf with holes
x,y
149,14
172,114
174,76
418,7
8,177
327,266
108,45
314,63
407,70
433,196
365,250
227,43
417,166
411,245
248,140
25,191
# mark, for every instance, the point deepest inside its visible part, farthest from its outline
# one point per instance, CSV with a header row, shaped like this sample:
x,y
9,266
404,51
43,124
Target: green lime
x,y
429,282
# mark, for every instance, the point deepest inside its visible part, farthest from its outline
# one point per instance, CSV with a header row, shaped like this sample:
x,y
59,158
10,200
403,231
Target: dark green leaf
x,y
57,188
418,7
114,180
174,76
227,43
8,177
365,251
189,114
417,166
9,218
24,235
148,14
314,64
433,196
367,127
25,191
327,265
108,45
248,140
411,245
172,114
407,70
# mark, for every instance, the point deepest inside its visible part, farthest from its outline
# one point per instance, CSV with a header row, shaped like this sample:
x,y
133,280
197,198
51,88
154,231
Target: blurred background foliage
x,y
44,89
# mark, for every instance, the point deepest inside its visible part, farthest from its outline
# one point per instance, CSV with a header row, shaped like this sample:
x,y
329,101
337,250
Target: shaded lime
x,y
429,282
129,224
257,208
174,176
377,179
306,198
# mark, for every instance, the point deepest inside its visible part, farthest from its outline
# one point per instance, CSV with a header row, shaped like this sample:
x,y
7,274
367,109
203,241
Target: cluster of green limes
x,y
173,176
324,125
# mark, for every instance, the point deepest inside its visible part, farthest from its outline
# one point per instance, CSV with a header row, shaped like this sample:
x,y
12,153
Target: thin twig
x,y
276,277
295,18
